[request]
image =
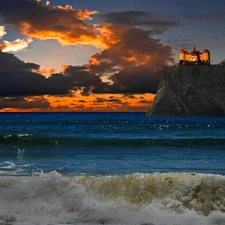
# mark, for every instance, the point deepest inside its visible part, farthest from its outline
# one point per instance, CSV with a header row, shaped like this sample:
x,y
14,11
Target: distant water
x,y
111,168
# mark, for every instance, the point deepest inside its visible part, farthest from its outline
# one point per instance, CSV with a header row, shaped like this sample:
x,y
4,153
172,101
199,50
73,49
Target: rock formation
x,y
190,90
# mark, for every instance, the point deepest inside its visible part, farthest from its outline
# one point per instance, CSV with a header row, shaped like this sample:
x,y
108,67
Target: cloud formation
x,y
15,46
43,21
141,18
125,67
132,64
2,31
23,103
130,60
18,78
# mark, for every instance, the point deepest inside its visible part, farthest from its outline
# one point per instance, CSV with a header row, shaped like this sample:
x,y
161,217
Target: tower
x,y
206,56
182,55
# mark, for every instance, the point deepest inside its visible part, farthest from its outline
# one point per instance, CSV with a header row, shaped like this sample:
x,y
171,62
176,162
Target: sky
x,y
98,55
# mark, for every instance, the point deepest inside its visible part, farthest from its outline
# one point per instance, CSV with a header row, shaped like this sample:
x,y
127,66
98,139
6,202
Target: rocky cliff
x,y
190,90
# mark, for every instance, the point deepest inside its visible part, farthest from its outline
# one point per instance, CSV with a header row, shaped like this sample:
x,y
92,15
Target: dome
x,y
182,51
206,51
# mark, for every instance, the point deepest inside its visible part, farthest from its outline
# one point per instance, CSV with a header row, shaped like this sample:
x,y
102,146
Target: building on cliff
x,y
194,57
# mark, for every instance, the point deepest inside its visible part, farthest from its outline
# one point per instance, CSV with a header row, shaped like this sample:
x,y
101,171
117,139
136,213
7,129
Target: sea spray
x,y
39,198
137,199
173,191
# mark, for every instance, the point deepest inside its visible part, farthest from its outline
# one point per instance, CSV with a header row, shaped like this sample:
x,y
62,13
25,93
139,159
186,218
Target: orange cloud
x,y
2,31
15,46
46,72
107,36
66,37
129,47
62,23
64,67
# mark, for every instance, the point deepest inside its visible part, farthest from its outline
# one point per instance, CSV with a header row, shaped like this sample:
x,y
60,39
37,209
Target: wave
x,y
153,199
178,192
28,140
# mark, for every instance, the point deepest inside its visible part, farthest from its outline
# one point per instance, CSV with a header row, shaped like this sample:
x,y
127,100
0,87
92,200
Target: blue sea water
x,y
110,143
111,168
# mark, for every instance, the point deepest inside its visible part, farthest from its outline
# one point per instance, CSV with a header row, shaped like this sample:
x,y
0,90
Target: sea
x,y
111,168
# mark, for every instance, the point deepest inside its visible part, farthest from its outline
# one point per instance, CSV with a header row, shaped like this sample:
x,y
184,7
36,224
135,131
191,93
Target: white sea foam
x,y
9,168
145,199
17,135
7,165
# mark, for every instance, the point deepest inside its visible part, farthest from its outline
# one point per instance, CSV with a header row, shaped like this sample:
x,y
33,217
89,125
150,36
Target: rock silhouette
x,y
190,90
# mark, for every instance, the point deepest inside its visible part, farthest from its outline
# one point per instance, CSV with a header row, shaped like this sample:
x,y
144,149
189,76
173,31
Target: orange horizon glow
x,y
92,103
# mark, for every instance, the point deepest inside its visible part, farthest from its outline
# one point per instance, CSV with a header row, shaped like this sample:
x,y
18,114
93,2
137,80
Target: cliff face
x,y
191,90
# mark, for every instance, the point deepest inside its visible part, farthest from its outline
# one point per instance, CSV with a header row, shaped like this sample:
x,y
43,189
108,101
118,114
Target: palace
x,y
194,57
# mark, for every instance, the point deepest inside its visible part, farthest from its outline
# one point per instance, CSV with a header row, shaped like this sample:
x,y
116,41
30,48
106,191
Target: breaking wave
x,y
140,199
29,140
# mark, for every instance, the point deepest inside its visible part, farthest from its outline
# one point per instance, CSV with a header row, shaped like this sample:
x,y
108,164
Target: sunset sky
x,y
98,55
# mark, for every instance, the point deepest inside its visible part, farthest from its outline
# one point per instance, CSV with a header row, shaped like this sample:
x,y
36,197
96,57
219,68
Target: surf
x,y
153,199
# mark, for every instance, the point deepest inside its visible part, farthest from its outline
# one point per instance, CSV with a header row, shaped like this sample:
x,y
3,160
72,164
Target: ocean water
x,y
111,168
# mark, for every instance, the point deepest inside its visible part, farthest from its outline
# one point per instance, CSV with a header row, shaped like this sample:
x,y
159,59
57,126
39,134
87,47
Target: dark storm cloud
x,y
134,62
10,63
140,80
145,102
22,103
131,65
18,78
130,96
81,101
82,79
102,100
